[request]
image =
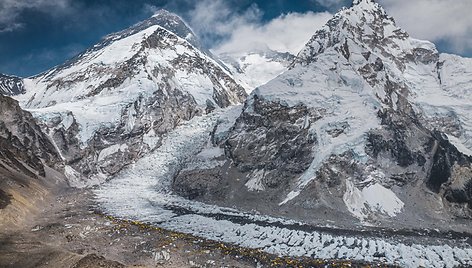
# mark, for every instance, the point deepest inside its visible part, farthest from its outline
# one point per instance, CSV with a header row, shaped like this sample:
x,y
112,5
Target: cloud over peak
x,y
232,31
440,21
287,33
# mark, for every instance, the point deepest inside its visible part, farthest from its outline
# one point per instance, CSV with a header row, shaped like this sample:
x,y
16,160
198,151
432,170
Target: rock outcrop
x,y
11,85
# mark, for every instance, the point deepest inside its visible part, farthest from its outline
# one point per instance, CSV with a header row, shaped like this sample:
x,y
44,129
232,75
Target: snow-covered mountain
x,y
367,125
255,68
11,85
111,104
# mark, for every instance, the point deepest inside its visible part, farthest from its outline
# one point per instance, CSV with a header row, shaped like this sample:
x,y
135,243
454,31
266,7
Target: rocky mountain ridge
x,y
25,147
11,85
27,162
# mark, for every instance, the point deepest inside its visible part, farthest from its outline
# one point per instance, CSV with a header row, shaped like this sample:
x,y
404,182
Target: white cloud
x,y
246,31
446,21
215,18
287,33
11,9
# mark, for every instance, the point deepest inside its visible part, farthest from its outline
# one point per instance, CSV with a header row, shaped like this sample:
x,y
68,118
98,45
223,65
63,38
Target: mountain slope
x,y
11,85
27,157
110,105
351,132
255,68
24,146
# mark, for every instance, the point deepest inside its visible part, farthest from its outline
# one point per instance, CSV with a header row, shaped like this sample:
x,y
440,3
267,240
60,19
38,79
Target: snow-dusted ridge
x,y
11,85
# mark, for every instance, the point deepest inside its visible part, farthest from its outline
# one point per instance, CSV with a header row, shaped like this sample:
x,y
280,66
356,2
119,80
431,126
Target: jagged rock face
x,y
361,127
451,176
260,147
24,147
27,160
110,105
273,131
11,85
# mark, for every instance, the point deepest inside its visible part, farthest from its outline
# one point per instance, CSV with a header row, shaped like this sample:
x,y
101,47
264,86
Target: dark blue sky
x,y
48,35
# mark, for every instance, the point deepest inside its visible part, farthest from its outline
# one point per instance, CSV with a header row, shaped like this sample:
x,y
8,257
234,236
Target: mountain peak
x,y
366,25
367,6
358,2
163,18
164,13
173,23
169,21
367,13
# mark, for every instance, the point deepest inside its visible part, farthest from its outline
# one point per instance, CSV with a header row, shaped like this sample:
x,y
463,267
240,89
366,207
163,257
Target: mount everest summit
x,y
366,127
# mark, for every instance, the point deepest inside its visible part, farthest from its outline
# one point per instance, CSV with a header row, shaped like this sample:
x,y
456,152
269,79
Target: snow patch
x,y
151,139
459,145
374,198
290,196
255,182
211,153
